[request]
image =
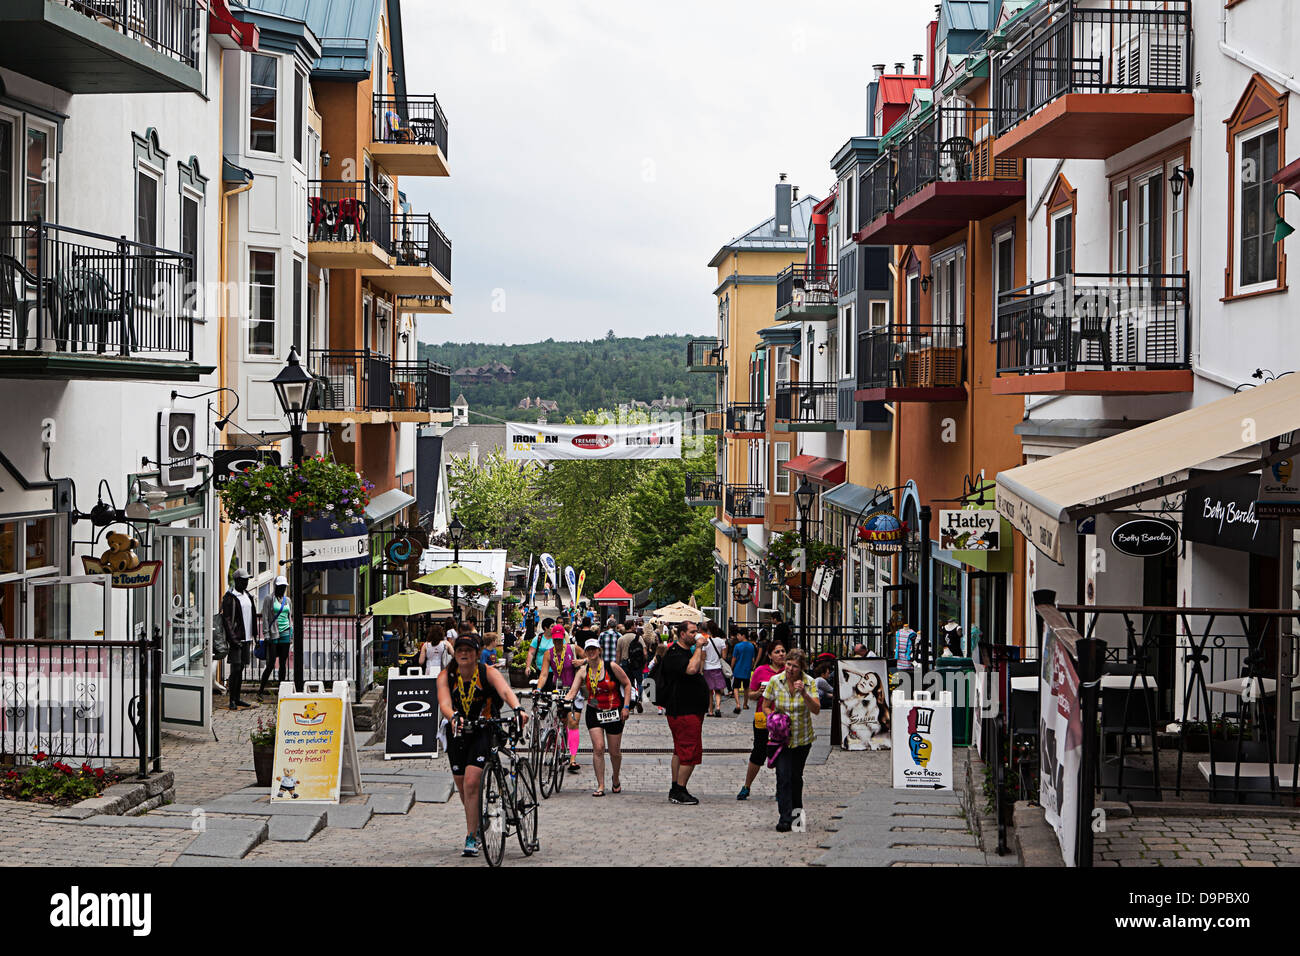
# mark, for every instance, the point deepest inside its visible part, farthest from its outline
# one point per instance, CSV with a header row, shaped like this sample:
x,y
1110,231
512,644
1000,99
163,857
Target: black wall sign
x,y
1222,512
413,717
1144,537
228,462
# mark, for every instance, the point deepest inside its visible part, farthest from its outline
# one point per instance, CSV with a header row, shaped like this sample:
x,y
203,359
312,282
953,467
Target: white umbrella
x,y
674,613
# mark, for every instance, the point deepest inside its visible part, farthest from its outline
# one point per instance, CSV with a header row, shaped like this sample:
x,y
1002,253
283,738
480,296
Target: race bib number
x,y
607,716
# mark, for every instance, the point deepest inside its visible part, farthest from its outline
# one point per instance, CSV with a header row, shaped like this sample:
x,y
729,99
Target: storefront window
x,y
42,543
30,548
988,610
947,585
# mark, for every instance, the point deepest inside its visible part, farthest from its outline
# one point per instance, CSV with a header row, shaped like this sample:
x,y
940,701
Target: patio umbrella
x,y
454,576
674,613
409,602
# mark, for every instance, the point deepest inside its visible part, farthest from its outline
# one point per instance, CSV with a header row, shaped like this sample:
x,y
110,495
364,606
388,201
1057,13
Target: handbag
x,y
220,646
259,649
726,668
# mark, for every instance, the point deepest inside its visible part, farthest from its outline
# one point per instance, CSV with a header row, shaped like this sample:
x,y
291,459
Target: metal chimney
x,y
917,60
898,69
783,194
880,70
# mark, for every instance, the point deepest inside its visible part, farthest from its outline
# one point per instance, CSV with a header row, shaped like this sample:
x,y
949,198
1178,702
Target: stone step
x,y
393,801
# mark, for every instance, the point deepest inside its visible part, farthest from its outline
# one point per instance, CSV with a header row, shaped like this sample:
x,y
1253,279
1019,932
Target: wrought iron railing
x,y
349,211
705,419
912,356
953,144
168,26
802,284
67,290
704,353
339,647
876,189
416,120
417,241
1095,321
747,417
703,488
745,501
837,639
420,385
806,403
1142,48
351,381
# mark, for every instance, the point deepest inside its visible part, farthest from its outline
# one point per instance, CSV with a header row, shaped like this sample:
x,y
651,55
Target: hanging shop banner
x,y
969,530
922,741
315,748
1144,537
828,582
1223,512
817,580
228,462
413,716
143,575
525,442
340,549
1279,490
861,717
1061,746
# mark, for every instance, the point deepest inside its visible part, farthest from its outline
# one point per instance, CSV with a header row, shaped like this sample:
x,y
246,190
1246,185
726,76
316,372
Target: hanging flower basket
x,y
320,488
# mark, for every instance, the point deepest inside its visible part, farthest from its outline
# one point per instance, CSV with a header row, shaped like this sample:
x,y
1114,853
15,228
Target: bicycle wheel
x,y
526,807
492,822
560,763
547,762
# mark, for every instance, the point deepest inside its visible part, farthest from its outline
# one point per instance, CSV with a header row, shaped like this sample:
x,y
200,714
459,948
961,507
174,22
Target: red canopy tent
x,y
613,596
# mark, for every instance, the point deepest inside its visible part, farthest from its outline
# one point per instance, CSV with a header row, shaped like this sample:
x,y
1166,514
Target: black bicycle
x,y
549,752
508,793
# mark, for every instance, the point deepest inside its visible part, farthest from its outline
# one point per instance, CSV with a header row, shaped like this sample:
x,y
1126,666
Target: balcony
x,y
421,263
370,388
349,225
806,407
1095,334
104,46
409,137
806,292
853,415
946,177
912,363
746,420
745,504
703,491
706,419
704,355
875,195
1088,83
76,305
424,304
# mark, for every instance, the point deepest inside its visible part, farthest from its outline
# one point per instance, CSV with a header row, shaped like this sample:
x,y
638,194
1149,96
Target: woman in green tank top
x,y
277,631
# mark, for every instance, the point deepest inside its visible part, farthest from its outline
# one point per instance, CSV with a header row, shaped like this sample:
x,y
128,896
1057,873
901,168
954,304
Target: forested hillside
x,y
578,376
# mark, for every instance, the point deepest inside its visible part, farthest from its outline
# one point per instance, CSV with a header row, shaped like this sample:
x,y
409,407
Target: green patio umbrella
x,y
408,602
454,576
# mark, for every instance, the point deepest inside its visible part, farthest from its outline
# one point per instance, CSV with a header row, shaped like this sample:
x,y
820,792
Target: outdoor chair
x,y
351,220
323,215
1041,336
1096,329
399,131
955,154
89,301
19,298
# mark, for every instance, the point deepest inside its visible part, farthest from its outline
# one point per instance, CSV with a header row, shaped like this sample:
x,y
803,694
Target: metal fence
x,y
419,385
806,403
168,26
1091,321
68,290
339,648
703,488
351,381
837,639
704,353
876,189
417,120
954,144
1141,48
419,242
747,417
914,355
343,210
803,284
746,501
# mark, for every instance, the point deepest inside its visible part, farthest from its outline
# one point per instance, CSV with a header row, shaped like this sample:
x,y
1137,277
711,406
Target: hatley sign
x,y
969,530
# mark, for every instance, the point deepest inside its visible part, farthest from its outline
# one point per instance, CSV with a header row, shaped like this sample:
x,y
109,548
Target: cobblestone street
x,y
1263,841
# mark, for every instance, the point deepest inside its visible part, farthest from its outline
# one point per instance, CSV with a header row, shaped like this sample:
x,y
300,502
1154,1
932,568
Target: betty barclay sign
x,y
969,531
526,442
1144,537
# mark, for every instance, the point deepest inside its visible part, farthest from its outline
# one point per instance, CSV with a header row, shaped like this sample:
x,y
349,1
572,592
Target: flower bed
x,y
47,780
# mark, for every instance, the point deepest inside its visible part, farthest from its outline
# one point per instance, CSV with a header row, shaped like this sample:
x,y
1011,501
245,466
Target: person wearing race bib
x,y
772,662
561,660
609,699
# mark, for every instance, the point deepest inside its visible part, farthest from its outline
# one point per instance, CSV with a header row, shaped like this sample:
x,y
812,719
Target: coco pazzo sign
x,y
526,442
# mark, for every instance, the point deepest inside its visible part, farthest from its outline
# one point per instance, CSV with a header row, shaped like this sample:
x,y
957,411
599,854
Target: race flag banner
x,y
582,579
525,442
532,590
548,564
571,583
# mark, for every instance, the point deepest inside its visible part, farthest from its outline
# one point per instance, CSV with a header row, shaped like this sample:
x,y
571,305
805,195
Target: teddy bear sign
x,y
121,561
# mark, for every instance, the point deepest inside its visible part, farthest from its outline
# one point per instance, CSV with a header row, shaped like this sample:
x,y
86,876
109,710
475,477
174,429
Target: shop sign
x,y
413,715
1279,490
315,746
335,549
969,530
1060,747
1040,529
228,462
922,741
1144,537
883,533
1223,513
828,580
817,579
142,575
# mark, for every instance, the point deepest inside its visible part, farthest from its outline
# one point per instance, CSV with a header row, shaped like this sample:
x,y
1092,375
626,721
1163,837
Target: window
x,y
948,299
1150,225
1004,272
846,336
262,101
1147,221
261,305
1122,213
783,364
299,124
847,209
1177,224
781,455
146,208
1257,156
1063,243
39,172
190,239
914,302
297,305
879,313
29,548
6,169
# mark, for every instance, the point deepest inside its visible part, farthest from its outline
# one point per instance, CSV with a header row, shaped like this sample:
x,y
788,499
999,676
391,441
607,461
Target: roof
x,y
346,29
787,333
962,16
765,238
857,149
612,591
460,400
489,438
896,89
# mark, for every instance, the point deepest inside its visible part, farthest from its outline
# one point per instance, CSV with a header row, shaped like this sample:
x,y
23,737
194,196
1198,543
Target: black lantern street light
x,y
455,531
803,497
294,387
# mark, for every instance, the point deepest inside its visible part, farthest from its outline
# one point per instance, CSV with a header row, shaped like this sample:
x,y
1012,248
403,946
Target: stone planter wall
x,y
368,714
129,798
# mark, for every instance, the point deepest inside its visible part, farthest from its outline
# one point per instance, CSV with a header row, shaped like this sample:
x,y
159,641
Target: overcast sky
x,y
601,152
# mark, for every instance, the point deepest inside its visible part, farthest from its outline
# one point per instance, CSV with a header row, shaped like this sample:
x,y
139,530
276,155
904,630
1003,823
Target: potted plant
x,y
263,738
518,664
320,488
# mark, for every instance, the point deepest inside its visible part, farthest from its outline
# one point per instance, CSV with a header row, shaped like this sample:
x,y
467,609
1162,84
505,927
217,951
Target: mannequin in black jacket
x,y
239,622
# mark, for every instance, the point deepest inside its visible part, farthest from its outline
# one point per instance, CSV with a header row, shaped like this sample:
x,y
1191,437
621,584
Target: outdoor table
x,y
424,130
1226,768
1128,682
1234,686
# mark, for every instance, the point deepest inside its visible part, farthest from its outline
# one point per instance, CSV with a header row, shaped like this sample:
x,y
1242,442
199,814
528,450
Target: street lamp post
x,y
803,498
294,387
455,531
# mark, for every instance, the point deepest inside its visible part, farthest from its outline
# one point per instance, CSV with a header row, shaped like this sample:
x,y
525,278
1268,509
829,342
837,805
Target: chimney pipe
x,y
916,63
880,70
783,202
898,69
794,194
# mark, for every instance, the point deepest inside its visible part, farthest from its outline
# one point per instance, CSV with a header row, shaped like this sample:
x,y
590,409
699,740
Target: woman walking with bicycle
x,y
467,691
609,698
560,662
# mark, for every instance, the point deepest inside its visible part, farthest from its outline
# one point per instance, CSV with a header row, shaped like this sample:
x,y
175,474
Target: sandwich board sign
x,y
315,745
922,748
413,715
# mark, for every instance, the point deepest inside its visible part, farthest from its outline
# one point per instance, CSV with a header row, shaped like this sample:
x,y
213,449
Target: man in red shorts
x,y
685,699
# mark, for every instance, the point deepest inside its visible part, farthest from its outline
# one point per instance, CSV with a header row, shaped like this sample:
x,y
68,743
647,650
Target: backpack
x,y
778,735
635,657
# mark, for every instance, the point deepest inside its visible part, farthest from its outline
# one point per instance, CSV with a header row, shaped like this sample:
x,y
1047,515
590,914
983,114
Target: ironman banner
x,y
526,442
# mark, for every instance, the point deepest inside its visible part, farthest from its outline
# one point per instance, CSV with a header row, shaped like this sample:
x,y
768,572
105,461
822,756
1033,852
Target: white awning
x,y
387,504
1040,497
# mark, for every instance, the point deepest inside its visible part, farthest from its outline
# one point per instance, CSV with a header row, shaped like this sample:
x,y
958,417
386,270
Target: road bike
x,y
550,741
508,793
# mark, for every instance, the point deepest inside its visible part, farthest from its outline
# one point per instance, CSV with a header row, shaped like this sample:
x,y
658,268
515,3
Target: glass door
x,y
183,612
75,608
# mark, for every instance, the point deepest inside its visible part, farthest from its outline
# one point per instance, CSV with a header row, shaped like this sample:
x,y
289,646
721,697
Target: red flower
x,y
13,774
42,756
100,773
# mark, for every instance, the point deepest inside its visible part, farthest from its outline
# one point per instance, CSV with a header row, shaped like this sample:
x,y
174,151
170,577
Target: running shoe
x,y
471,847
744,794
682,796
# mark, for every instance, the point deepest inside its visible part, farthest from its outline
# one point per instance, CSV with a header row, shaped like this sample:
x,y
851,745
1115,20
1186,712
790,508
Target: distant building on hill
x,y
484,374
542,404
666,403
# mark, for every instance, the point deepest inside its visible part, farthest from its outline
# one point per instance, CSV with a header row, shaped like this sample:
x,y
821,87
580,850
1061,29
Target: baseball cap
x,y
591,642
281,579
468,640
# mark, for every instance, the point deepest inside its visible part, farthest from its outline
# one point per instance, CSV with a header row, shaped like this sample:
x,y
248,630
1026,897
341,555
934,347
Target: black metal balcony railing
x,y
705,419
351,381
704,353
806,403
1082,322
703,488
417,120
1072,49
747,417
746,501
876,189
954,144
168,26
802,284
912,356
66,290
417,241
349,211
420,386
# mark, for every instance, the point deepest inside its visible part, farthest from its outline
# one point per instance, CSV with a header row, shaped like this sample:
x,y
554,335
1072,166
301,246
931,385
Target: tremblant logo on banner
x,y
75,909
592,441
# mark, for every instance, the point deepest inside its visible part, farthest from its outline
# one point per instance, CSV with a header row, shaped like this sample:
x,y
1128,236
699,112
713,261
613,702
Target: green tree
x,y
497,500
